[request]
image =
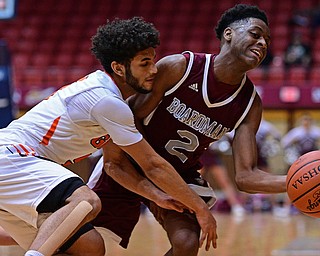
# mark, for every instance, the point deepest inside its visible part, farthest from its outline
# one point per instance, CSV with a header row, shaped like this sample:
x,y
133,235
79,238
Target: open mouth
x,y
257,53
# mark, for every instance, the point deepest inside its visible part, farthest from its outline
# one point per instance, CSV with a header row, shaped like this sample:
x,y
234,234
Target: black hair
x,y
239,12
120,40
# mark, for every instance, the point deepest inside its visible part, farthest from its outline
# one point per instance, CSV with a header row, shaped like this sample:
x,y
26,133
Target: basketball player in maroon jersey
x,y
197,98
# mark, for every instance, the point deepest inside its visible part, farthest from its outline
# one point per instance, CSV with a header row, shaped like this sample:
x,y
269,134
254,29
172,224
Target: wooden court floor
x,y
257,234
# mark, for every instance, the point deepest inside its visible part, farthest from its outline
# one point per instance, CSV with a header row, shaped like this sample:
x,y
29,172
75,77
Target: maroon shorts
x,y
120,208
210,158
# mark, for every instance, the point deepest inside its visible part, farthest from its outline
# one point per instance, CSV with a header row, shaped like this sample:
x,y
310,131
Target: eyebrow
x,y
259,28
145,58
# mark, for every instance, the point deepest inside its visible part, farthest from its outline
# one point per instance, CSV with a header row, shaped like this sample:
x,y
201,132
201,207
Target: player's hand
x,y
208,226
167,202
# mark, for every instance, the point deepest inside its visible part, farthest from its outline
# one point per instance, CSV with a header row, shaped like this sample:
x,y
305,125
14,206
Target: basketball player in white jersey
x,y
73,123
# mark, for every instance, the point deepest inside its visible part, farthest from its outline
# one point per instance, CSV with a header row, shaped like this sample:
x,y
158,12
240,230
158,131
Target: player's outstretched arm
x,y
248,177
118,166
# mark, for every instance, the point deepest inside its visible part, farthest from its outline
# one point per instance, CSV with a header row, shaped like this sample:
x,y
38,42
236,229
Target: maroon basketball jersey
x,y
197,111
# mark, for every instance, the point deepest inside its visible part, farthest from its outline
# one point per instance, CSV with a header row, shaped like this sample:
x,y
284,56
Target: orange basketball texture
x,y
303,184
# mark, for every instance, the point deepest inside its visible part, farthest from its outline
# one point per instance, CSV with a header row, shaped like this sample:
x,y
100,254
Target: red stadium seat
x,y
297,76
276,76
64,60
41,59
33,77
314,75
85,60
47,35
55,76
316,57
21,60
257,76
279,45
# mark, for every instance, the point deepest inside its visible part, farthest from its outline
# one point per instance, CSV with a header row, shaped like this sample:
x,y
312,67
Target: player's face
x,y
250,42
140,76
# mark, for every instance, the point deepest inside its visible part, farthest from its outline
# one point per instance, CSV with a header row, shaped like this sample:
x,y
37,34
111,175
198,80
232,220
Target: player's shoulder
x,y
109,107
172,61
180,59
110,99
171,69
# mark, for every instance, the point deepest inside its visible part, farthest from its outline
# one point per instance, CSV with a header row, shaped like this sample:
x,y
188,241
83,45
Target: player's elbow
x,y
243,183
110,168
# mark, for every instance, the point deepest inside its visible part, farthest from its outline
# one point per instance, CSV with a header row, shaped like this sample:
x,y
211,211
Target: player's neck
x,y
125,89
226,71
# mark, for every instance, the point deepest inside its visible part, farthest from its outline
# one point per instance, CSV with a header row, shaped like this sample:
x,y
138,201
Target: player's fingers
x,y
214,242
210,239
202,238
208,244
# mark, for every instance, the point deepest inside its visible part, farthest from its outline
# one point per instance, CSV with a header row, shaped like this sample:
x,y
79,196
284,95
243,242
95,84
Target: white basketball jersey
x,y
75,121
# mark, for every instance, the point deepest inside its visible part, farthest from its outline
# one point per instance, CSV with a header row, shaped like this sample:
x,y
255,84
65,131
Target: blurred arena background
x,y
49,44
46,44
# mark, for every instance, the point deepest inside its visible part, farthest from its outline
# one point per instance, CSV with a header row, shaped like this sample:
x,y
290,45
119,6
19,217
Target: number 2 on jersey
x,y
190,146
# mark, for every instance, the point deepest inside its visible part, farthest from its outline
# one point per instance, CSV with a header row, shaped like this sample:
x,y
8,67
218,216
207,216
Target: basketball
x,y
303,184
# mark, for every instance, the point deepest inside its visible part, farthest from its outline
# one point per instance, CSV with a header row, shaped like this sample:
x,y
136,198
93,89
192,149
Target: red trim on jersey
x,y
19,152
47,137
32,152
24,150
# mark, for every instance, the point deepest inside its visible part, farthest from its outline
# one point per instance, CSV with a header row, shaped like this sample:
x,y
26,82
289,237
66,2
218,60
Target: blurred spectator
x,y
309,17
301,18
301,139
215,171
298,141
268,143
267,60
6,90
297,53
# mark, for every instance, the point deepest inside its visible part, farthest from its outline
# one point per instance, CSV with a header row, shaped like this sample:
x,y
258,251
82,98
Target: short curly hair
x,y
120,40
239,12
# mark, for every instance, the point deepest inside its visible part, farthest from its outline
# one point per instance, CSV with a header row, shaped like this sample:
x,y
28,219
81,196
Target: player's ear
x,y
117,68
227,34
